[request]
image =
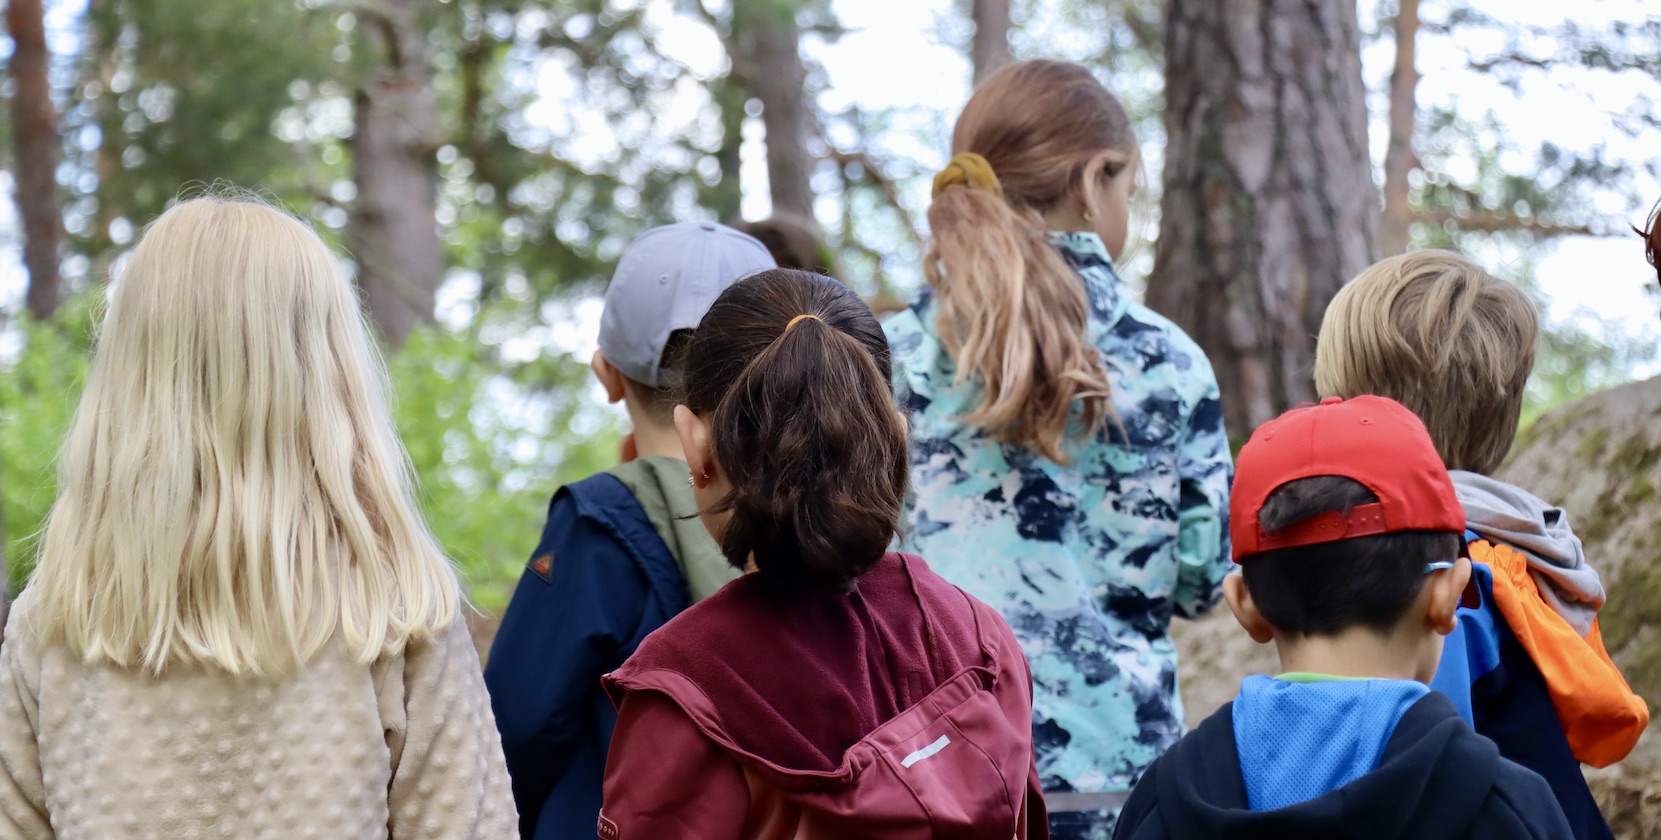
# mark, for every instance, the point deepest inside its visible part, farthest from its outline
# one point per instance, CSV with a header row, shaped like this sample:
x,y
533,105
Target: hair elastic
x,y
799,318
967,169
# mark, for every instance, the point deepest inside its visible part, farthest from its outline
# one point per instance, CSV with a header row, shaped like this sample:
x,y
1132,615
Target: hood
x,y
1508,514
658,483
1432,780
896,702
1298,740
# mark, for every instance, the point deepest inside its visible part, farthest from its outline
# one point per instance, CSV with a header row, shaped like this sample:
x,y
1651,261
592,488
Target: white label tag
x,y
938,745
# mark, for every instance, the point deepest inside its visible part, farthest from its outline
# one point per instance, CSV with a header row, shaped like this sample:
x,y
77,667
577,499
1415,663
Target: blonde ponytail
x,y
1013,314
1014,318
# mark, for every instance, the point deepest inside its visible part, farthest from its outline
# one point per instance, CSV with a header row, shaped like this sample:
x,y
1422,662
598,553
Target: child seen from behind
x,y
1527,667
240,624
622,551
837,689
1347,531
1068,456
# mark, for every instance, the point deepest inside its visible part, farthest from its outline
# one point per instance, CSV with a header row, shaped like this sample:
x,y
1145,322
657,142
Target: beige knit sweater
x,y
404,747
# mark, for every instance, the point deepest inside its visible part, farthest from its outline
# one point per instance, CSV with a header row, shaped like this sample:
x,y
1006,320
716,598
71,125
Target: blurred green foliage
x,y
489,452
39,387
483,477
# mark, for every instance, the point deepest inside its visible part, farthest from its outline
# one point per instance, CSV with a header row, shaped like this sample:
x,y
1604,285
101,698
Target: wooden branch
x,y
885,185
1507,59
1148,35
1493,222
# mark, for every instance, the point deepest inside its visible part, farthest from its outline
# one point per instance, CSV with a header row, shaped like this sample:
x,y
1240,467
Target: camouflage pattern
x,y
1088,562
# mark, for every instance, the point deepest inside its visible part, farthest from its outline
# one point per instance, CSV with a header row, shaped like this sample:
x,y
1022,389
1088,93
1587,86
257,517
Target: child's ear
x,y
696,445
610,378
1245,610
1446,589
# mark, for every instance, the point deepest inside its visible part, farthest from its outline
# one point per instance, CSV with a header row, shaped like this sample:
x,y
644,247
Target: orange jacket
x,y
1601,715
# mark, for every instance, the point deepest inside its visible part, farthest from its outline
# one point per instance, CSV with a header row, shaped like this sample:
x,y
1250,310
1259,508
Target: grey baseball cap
x,y
666,281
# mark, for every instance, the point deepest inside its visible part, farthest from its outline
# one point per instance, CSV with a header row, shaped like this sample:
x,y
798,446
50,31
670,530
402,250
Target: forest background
x,y
483,162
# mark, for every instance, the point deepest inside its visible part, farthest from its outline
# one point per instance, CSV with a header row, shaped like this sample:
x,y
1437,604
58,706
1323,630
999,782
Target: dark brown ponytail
x,y
804,426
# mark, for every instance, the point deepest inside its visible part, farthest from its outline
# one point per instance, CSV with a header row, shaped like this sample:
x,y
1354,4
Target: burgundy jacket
x,y
901,710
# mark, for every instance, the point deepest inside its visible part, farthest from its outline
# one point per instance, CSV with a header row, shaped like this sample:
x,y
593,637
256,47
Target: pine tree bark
x,y
35,132
1399,160
394,228
772,39
989,49
1269,203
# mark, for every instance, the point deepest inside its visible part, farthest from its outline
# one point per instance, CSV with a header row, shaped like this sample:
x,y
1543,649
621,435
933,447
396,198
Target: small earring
x,y
690,481
1090,216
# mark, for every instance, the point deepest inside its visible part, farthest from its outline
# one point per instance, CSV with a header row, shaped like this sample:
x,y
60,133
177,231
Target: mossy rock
x,y
1631,804
1600,459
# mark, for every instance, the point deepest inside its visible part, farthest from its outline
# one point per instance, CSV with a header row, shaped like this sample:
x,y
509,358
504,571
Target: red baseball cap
x,y
1372,440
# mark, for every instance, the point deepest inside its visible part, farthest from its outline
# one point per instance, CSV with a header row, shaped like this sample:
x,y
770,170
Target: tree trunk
x,y
394,229
1399,160
35,129
1269,203
726,197
989,49
779,80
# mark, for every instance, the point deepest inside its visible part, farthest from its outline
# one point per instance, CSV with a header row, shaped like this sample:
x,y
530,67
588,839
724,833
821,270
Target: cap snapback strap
x,y
1361,521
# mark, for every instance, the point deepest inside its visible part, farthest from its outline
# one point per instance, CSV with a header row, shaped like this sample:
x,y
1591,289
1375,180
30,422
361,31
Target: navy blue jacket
x,y
1437,780
600,580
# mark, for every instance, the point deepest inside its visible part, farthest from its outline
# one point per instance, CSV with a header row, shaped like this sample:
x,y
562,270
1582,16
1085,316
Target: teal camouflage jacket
x,y
1088,562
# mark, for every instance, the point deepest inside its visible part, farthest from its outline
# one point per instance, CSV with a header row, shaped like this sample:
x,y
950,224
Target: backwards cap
x,y
665,281
1372,440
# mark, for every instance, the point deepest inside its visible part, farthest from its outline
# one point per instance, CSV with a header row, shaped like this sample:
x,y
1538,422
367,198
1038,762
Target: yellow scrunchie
x,y
967,169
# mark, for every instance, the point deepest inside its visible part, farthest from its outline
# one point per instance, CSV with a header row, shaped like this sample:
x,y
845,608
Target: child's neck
x,y
653,439
1357,652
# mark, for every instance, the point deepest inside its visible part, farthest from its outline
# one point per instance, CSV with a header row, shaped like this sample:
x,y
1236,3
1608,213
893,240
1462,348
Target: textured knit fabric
x,y
1298,740
403,748
1436,780
1089,561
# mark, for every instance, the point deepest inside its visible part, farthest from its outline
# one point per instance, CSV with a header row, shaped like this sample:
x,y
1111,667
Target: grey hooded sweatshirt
x,y
1508,514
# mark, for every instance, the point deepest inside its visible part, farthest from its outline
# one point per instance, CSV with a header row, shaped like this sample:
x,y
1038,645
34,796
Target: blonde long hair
x,y
232,492
1013,314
